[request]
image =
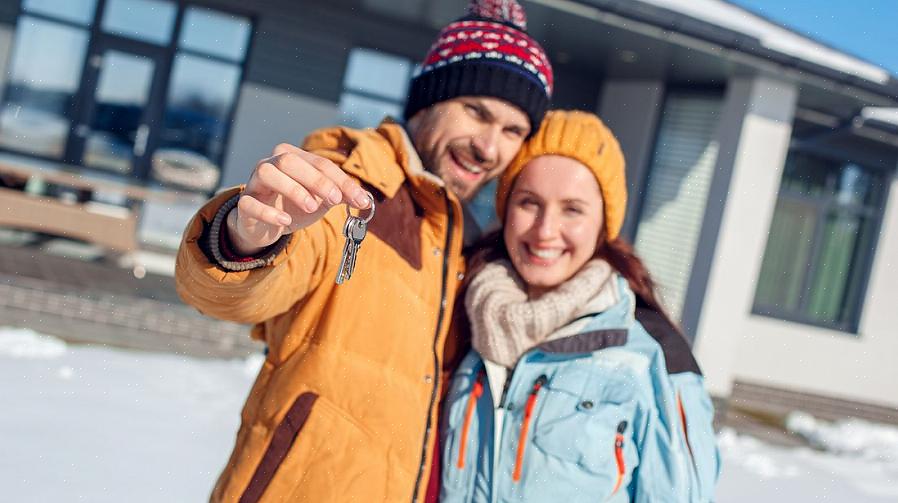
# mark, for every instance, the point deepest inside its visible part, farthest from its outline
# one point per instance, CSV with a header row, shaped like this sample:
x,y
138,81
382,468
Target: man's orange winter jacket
x,y
345,406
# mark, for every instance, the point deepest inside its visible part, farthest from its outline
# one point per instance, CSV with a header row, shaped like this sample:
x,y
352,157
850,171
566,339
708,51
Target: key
x,y
354,230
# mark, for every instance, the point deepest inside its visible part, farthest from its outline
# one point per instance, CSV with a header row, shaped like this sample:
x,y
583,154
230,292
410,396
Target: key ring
x,y
370,210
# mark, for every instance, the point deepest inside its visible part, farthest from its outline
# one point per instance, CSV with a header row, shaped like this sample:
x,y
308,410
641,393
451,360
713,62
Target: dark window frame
x,y
825,207
96,36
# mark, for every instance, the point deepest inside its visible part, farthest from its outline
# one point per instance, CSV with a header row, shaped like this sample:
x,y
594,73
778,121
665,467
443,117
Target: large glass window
x,y
202,92
375,87
44,77
147,20
821,241
141,95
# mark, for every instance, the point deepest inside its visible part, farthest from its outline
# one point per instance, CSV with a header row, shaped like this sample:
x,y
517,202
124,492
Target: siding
x,y
302,47
679,178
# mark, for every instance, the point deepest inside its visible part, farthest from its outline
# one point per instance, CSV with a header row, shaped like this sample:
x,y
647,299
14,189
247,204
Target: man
x,y
345,405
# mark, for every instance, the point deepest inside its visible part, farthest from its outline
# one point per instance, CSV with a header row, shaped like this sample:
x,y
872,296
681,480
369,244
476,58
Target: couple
x,y
361,396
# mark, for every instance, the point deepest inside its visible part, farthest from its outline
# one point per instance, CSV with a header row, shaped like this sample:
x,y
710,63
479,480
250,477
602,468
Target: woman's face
x,y
552,222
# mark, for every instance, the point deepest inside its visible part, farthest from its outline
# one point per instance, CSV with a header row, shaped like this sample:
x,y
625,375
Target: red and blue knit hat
x,y
485,53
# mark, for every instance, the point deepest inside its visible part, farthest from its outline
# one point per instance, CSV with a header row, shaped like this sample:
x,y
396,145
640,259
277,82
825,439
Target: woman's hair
x,y
618,253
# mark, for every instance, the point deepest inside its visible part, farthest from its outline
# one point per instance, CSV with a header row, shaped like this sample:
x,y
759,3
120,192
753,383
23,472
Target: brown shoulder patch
x,y
397,222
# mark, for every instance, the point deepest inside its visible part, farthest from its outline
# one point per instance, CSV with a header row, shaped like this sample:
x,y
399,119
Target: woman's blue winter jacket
x,y
612,413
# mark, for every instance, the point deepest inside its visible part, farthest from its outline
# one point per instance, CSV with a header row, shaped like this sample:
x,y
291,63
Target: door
x,y
115,116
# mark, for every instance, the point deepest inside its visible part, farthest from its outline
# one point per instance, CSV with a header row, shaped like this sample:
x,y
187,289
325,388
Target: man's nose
x,y
485,146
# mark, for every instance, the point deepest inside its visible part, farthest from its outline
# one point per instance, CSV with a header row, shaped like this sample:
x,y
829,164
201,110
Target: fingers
x,y
296,162
249,206
274,178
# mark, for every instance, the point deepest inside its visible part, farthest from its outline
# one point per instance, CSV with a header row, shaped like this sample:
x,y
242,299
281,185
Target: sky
x,y
863,28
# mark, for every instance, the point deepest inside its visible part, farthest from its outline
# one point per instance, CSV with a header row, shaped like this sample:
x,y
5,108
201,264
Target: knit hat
x,y
583,137
485,53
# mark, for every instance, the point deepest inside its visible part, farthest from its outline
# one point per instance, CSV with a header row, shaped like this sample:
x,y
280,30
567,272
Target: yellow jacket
x,y
345,406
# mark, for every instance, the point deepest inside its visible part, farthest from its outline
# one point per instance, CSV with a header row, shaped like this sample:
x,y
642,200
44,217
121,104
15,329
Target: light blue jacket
x,y
599,415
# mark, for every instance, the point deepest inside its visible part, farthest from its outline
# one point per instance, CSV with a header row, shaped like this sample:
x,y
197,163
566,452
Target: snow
x,y
882,114
96,424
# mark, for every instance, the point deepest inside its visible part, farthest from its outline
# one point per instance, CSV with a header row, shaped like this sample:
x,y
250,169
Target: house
x,y
761,163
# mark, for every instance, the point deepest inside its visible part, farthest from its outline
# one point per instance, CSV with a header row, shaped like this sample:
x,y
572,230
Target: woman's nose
x,y
547,226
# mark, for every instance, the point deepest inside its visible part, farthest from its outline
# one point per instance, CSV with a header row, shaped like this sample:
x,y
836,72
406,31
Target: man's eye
x,y
474,111
515,132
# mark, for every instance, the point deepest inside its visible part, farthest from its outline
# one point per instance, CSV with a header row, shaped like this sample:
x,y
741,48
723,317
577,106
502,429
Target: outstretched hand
x,y
287,192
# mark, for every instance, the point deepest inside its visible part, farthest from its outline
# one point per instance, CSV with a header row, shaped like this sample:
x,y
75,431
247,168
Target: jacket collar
x,y
596,330
390,144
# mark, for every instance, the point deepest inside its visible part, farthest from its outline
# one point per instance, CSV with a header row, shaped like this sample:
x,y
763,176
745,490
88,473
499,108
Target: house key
x,y
354,230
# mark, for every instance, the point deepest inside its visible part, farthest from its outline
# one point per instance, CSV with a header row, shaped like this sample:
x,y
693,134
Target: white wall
x,y
734,344
265,117
862,367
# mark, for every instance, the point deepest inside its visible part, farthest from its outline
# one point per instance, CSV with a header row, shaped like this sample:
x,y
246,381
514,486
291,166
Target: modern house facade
x,y
761,163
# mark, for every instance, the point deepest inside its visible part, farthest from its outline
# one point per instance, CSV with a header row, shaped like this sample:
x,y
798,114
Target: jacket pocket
x,y
284,436
580,424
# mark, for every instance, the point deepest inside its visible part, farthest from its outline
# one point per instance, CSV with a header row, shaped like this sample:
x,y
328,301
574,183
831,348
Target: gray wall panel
x,y
302,47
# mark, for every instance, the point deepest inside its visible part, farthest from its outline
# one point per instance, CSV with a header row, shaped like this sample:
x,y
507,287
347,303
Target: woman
x,y
566,396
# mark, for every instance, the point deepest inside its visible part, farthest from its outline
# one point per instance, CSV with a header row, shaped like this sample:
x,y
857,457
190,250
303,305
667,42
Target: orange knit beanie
x,y
583,137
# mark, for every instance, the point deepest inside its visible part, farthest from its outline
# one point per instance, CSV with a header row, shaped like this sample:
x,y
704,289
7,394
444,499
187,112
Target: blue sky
x,y
864,28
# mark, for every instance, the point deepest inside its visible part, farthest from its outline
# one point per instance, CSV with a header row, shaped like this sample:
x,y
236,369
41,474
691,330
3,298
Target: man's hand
x,y
288,191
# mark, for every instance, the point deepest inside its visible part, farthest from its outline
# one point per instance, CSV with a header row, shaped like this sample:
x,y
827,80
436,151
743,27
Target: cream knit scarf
x,y
505,323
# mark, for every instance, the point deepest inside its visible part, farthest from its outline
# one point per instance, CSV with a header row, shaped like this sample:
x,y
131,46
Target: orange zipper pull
x,y
528,413
475,395
619,454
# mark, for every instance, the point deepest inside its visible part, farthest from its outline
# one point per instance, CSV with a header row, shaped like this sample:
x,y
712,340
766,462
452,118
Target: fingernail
x,y
285,219
335,196
310,204
361,199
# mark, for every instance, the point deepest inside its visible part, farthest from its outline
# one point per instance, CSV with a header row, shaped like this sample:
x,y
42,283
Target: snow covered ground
x,y
103,425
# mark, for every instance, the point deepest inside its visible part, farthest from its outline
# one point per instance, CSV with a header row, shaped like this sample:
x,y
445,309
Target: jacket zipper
x,y
619,455
476,393
525,426
450,223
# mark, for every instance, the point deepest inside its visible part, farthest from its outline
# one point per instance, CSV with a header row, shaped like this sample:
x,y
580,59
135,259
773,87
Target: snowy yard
x,y
101,425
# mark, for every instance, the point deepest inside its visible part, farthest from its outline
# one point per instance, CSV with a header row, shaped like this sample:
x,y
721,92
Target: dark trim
x,y
678,355
586,342
727,136
434,392
281,441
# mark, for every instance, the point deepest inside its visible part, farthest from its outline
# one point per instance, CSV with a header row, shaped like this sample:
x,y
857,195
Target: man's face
x,y
468,141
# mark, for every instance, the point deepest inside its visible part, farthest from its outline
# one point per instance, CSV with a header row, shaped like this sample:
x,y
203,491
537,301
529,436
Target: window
x,y
673,207
196,117
821,241
140,94
374,87
45,74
